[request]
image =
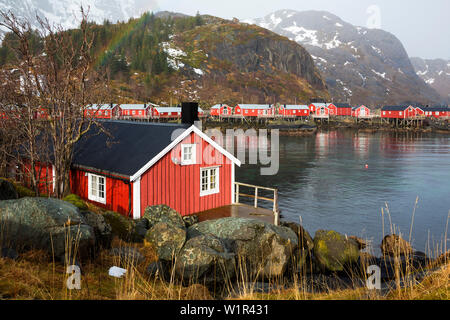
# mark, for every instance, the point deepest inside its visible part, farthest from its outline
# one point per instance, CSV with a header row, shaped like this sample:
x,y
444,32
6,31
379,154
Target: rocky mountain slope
x,y
359,65
435,73
234,62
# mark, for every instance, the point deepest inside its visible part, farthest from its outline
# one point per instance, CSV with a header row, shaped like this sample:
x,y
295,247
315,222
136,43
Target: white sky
x,y
422,26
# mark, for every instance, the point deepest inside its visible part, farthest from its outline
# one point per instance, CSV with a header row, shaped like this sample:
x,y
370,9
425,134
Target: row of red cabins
x,y
328,109
318,109
134,111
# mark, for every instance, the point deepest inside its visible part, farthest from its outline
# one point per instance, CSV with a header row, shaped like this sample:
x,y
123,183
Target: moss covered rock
x,y
121,226
38,223
205,259
167,239
163,213
76,201
333,251
265,249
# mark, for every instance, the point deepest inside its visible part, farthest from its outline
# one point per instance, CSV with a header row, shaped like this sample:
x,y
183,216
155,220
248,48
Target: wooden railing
x,y
256,197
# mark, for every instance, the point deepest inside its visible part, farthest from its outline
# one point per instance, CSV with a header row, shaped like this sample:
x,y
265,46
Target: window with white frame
x,y
209,181
97,188
188,153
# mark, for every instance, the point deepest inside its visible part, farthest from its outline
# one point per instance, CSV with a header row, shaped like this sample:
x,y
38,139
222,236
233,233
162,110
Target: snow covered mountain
x,y
359,65
436,73
67,12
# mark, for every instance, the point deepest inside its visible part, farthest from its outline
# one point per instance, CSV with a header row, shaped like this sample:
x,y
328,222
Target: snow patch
x,y
339,25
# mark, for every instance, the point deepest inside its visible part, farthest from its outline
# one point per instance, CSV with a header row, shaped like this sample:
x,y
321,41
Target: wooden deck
x,y
239,211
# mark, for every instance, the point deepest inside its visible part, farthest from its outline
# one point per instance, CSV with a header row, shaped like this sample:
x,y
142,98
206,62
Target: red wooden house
x,y
166,112
342,109
102,111
419,110
139,164
322,110
315,105
398,112
221,110
294,110
361,111
437,112
254,110
135,110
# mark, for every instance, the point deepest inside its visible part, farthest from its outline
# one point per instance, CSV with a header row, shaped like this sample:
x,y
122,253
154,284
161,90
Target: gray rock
x,y
7,190
333,251
163,213
167,239
41,223
205,259
305,245
265,249
141,226
102,230
190,220
395,245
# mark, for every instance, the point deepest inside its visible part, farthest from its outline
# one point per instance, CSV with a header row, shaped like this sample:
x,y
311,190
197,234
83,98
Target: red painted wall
x,y
178,186
117,192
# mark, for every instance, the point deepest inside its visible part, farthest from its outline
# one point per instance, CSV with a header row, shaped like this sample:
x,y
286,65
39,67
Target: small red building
x,y
102,111
135,110
361,111
315,105
398,112
166,112
437,112
419,110
221,110
294,110
322,110
139,164
254,110
342,109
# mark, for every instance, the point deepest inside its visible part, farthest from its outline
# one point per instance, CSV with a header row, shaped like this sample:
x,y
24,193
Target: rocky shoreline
x,y
215,253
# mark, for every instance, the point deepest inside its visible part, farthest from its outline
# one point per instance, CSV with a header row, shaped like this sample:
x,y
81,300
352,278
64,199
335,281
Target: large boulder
x,y
205,259
395,245
264,249
122,227
163,213
167,240
333,251
42,223
7,190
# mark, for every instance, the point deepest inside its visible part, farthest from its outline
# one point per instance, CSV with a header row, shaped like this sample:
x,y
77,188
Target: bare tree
x,y
54,87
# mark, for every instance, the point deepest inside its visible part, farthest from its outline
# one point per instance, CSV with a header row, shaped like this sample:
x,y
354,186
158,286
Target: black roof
x,y
342,105
127,148
394,108
436,108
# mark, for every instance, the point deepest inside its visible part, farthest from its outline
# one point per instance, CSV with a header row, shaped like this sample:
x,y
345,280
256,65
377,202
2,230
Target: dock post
x,y
275,208
256,197
237,194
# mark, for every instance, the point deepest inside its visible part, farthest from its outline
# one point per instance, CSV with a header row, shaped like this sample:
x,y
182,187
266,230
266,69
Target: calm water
x,y
323,179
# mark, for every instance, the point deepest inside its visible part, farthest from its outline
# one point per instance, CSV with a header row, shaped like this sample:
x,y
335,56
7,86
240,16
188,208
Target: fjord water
x,y
323,179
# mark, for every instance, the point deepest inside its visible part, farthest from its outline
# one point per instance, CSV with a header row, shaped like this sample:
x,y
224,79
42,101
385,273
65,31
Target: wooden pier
x,y
241,210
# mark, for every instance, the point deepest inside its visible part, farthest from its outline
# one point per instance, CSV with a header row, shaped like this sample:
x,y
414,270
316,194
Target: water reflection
x,y
324,179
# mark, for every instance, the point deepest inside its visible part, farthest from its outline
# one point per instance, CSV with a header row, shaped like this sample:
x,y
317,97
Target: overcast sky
x,y
422,26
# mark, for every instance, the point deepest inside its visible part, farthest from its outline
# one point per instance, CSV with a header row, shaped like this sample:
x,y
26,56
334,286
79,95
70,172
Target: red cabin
x,y
360,112
102,111
150,164
254,110
221,110
342,109
437,112
419,111
294,110
166,112
322,110
135,110
314,106
398,112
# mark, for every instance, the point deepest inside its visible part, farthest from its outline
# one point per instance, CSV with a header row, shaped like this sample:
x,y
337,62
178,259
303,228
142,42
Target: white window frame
x,y
91,195
193,154
209,190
